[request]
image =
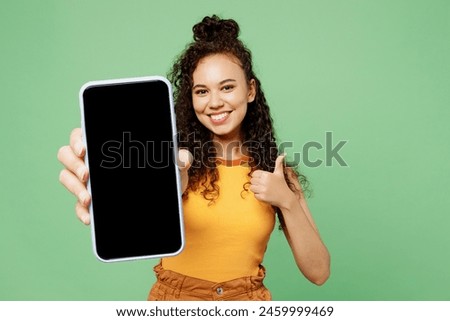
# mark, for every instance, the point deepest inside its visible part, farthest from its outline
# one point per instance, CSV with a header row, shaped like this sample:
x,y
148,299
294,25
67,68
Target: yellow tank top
x,y
227,239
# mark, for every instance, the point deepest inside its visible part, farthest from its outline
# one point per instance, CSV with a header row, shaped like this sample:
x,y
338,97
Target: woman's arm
x,y
310,253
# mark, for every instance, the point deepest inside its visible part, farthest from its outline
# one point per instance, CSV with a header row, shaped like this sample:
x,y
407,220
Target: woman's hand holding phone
x,y
75,174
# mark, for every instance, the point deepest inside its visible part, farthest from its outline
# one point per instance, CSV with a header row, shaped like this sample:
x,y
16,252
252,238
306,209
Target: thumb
x,y
184,159
279,164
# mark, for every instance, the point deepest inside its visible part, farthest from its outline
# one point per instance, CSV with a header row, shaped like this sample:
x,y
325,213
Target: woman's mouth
x,y
220,118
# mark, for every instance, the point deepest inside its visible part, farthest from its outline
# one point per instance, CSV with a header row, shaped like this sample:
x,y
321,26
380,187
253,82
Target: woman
x,y
233,180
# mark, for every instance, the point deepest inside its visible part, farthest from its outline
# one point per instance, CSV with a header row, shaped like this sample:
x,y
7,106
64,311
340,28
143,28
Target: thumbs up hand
x,y
184,163
271,187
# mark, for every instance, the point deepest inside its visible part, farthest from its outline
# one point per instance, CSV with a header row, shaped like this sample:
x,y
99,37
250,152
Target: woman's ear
x,y
251,90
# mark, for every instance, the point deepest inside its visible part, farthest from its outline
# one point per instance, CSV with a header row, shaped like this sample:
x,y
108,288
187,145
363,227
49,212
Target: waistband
x,y
207,289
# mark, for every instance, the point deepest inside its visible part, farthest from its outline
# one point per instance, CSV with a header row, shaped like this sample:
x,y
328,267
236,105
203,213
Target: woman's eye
x,y
228,87
200,92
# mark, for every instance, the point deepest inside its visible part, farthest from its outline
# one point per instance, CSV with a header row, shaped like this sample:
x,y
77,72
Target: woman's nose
x,y
215,100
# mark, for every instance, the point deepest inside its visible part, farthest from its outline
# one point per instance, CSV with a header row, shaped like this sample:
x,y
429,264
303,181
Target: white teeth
x,y
219,116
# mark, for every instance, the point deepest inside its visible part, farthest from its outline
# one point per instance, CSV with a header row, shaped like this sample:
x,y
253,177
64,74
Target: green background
x,y
374,73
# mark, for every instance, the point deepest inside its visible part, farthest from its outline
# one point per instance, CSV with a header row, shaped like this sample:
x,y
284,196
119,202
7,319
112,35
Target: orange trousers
x,y
172,286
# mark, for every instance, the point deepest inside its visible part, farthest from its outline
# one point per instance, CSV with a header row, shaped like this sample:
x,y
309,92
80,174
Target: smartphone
x,y
129,131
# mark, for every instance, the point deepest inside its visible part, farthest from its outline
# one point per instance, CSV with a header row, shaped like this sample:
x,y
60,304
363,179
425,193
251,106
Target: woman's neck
x,y
229,150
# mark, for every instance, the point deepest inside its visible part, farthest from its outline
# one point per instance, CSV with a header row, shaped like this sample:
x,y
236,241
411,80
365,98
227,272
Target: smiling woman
x,y
220,97
235,183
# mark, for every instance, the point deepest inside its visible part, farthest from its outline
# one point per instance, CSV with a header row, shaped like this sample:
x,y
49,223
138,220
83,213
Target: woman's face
x,y
220,95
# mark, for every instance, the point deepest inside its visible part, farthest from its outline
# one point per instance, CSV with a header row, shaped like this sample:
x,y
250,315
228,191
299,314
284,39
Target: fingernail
x,y
84,197
86,219
78,148
82,173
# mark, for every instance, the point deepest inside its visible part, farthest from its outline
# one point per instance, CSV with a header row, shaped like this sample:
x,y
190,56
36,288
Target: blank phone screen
x,y
130,137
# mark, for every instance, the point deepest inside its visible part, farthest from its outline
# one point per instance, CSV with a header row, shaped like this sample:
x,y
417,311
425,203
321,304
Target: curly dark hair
x,y
214,35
